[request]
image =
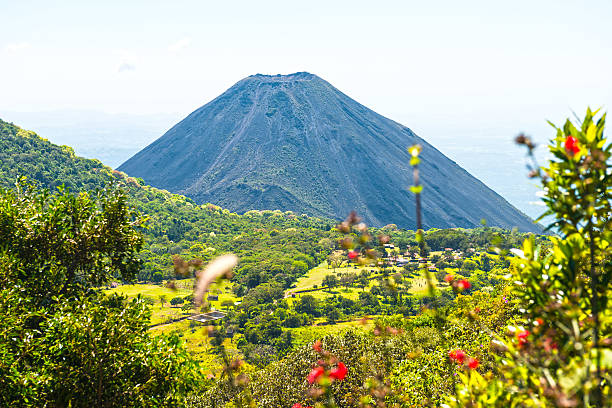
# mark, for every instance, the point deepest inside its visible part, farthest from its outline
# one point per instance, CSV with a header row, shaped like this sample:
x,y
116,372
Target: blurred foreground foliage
x,y
62,343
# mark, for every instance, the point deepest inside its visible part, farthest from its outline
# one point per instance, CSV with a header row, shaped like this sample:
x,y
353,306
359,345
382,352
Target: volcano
x,y
294,142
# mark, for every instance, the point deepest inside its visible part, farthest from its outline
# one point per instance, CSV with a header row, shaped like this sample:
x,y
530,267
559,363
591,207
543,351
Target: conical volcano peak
x,y
294,142
296,76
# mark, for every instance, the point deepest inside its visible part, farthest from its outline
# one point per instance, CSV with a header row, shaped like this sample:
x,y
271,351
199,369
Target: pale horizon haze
x,y
466,76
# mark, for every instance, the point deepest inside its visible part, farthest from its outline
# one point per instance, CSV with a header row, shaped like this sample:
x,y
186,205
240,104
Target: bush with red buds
x,y
560,355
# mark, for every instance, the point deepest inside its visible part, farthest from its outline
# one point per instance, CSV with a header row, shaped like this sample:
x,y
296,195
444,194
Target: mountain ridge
x,y
294,142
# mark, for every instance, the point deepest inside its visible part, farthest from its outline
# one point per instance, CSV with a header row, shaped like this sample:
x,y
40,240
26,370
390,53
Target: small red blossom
x,y
449,278
458,355
522,337
315,374
549,344
571,145
316,346
539,321
463,284
298,405
352,254
339,372
473,363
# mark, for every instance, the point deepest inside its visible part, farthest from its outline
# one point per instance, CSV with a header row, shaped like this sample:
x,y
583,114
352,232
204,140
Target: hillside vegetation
x,y
315,314
273,245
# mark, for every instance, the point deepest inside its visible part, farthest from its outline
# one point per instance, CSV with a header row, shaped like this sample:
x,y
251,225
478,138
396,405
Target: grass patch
x,y
152,291
165,313
196,340
308,334
315,275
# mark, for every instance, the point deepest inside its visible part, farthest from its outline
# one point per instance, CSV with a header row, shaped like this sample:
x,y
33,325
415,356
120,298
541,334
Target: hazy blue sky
x,y
465,75
401,58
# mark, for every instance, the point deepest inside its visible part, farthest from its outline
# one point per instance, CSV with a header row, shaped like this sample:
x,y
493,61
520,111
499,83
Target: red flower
x,y
463,284
449,278
352,254
522,337
571,145
549,344
315,374
298,405
339,372
457,355
316,346
473,363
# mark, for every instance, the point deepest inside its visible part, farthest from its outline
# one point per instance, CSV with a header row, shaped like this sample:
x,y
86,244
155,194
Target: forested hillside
x,y
273,245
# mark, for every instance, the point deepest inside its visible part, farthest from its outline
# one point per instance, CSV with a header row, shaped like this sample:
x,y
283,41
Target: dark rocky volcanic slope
x,y
294,142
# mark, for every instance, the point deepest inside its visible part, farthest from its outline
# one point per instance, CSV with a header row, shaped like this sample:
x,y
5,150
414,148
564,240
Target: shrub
x,y
177,300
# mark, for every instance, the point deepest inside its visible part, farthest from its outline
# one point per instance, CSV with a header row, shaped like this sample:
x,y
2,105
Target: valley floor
x,y
168,318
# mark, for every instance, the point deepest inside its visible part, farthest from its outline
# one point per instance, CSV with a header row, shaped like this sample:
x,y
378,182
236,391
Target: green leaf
x,y
528,247
591,133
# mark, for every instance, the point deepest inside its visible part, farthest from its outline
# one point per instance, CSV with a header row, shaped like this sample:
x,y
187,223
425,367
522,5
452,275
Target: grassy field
x,y
350,293
160,313
419,286
194,334
196,340
307,335
152,291
315,275
166,312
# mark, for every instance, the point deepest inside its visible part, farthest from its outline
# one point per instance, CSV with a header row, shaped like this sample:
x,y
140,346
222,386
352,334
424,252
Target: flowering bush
x,y
560,354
